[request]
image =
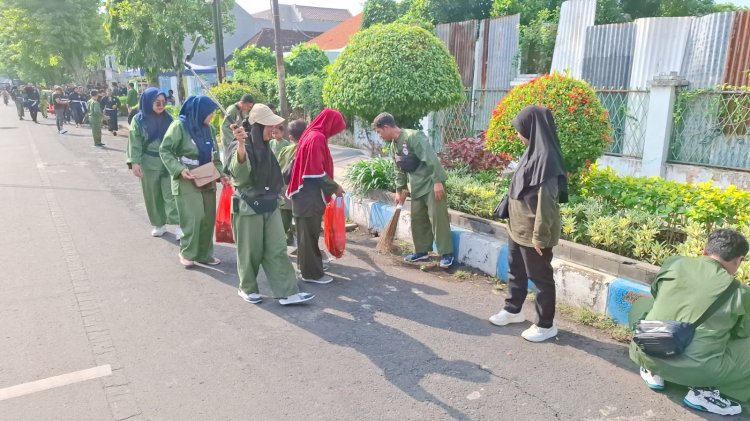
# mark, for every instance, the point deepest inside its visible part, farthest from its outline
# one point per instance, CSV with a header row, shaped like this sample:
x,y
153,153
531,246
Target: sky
x,y
354,6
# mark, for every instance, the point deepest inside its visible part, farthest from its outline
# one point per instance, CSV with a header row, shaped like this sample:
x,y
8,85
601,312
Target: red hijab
x,y
313,158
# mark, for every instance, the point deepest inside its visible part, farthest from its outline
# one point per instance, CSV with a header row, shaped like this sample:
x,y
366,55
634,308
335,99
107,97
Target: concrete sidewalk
x,y
84,285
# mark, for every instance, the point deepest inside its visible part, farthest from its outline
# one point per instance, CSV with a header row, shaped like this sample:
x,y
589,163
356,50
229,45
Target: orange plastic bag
x,y
334,223
223,227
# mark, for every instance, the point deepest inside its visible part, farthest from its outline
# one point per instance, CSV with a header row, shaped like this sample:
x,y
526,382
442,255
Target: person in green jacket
x,y
285,158
188,144
132,99
256,221
44,102
145,137
18,98
421,176
536,190
236,113
278,142
718,358
95,117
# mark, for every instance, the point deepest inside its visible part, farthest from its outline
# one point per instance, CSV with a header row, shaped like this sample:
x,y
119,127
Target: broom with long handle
x,y
389,234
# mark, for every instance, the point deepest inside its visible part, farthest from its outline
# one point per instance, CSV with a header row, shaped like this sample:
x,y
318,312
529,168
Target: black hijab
x,y
543,158
265,170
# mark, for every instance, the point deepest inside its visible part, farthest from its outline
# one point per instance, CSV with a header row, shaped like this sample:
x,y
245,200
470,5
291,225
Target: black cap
x,y
247,99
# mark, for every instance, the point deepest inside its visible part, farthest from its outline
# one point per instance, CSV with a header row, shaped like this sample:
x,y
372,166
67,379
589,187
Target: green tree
x,y
446,11
149,34
398,68
33,30
379,11
253,61
306,60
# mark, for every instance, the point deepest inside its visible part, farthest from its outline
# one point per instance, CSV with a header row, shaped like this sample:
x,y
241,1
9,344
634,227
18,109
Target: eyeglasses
x,y
160,103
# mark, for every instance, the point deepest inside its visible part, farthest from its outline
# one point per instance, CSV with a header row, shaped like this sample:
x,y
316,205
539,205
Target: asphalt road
x,y
85,286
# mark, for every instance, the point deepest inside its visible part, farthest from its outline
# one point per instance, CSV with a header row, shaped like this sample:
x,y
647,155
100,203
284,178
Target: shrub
x,y
582,123
306,60
251,61
471,152
230,93
372,174
398,68
474,195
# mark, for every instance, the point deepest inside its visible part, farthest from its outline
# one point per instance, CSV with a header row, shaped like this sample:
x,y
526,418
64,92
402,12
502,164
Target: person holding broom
x,y
420,175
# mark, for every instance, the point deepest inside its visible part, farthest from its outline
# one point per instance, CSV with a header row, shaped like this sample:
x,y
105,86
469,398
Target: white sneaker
x,y
708,400
652,380
63,131
250,298
158,231
325,279
298,298
539,334
178,234
505,318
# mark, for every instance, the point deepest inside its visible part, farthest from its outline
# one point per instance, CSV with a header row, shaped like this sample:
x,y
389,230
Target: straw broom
x,y
389,234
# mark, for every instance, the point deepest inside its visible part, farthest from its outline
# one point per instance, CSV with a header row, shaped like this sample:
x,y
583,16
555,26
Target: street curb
x,y
578,285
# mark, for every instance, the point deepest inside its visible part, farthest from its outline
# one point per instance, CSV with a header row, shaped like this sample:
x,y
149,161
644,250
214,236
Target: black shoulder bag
x,y
666,339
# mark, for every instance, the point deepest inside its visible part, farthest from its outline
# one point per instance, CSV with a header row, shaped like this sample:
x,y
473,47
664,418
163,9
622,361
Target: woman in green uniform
x,y
188,144
146,134
256,220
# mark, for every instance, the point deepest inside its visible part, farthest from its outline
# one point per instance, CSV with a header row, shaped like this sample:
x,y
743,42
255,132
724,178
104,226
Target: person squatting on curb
x,y
421,176
537,188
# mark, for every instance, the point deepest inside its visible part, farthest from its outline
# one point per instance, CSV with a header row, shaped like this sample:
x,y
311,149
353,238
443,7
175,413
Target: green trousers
x,y
96,132
286,218
157,194
430,222
19,108
197,214
261,242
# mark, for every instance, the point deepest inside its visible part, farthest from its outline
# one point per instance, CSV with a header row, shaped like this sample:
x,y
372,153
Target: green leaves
x,y
306,60
402,69
372,174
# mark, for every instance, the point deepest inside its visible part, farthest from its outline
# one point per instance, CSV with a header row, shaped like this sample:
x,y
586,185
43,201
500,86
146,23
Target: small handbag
x,y
665,339
502,210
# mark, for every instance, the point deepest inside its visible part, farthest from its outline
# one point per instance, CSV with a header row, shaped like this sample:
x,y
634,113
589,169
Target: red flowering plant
x,y
582,122
471,153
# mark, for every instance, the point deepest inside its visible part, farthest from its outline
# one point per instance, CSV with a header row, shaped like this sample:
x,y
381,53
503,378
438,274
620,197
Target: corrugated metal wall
x,y
660,45
575,17
608,57
738,58
500,51
706,53
460,38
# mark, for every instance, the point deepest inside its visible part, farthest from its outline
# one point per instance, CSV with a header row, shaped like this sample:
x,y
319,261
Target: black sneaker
x,y
416,257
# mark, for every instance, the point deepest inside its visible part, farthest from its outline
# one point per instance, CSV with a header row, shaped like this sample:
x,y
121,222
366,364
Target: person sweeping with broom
x,y
420,175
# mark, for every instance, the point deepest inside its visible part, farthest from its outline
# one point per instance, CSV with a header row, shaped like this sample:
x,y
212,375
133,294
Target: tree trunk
x,y
280,71
181,86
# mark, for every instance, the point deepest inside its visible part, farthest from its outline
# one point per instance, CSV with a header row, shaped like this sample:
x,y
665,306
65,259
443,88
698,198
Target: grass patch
x,y
462,274
588,317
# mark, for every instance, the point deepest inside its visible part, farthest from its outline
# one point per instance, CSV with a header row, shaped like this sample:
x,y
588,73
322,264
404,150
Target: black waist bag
x,y
667,339
261,204
407,163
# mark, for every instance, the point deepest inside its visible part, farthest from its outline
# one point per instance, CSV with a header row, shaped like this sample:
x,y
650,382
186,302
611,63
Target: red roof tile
x,y
338,37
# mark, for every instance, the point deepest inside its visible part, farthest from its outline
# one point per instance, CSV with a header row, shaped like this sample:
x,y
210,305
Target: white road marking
x,y
56,381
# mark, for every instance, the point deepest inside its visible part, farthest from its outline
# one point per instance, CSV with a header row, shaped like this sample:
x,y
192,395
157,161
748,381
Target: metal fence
x,y
712,128
628,115
466,119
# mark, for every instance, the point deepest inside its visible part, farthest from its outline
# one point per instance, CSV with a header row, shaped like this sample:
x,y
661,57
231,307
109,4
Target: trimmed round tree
x,y
582,122
397,68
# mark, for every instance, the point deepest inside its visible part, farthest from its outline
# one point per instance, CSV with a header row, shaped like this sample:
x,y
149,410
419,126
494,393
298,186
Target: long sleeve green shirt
x,y
178,152
234,116
95,110
132,99
428,173
138,152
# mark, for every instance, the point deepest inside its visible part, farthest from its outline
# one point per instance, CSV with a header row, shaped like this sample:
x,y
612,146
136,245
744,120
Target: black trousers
x,y
309,258
524,264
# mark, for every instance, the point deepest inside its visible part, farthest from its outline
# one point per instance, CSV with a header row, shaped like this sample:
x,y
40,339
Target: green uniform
x,y
285,156
718,355
196,207
234,116
132,98
95,120
18,99
277,146
44,103
156,182
429,218
260,241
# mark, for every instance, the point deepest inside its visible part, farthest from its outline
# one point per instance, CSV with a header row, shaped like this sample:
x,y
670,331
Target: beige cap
x,y
263,115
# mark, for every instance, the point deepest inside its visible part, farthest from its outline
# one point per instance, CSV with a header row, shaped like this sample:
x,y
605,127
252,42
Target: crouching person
x,y
256,219
420,175
695,289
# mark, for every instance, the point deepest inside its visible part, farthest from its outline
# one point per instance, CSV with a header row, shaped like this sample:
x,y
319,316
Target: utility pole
x,y
279,59
218,39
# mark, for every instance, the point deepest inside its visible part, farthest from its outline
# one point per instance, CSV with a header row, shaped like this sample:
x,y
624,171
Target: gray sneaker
x,y
250,298
710,400
325,279
298,298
